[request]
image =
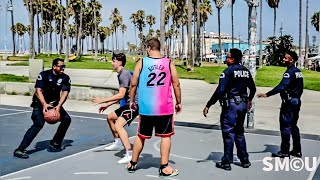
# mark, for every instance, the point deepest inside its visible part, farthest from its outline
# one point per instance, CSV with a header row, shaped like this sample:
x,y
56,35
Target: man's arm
x,y
135,81
116,97
280,87
252,88
175,83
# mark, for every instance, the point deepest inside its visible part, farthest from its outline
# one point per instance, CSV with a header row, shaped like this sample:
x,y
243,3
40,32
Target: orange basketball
x,y
51,116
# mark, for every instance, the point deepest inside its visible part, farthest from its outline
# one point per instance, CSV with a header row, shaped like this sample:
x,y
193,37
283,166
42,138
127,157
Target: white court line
x,y
14,109
56,160
26,177
153,176
90,173
12,113
314,171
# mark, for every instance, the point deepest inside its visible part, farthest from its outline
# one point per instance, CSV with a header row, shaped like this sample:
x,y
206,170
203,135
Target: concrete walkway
x,y
195,94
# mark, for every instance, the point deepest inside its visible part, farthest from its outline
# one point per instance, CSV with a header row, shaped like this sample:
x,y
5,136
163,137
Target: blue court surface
x,y
195,149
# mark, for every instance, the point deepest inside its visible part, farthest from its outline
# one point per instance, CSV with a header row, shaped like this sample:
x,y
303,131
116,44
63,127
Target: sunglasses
x,y
229,57
62,66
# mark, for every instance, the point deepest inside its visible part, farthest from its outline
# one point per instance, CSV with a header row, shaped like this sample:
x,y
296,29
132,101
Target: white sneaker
x,y
114,147
127,158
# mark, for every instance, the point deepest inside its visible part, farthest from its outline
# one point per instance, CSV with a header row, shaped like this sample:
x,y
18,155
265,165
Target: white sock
x,y
129,153
117,141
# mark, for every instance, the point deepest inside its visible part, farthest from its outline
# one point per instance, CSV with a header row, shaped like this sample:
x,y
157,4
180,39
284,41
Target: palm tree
x,y
29,6
307,32
151,20
116,20
140,25
67,32
232,27
13,33
189,32
300,31
197,38
133,18
102,31
20,29
162,25
315,20
274,4
123,29
219,5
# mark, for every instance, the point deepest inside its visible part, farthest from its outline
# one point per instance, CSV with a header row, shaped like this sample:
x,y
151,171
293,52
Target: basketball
x,y
51,116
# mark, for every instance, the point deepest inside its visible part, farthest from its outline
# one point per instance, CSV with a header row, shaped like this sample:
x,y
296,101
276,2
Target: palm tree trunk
x,y
274,21
189,32
31,18
219,32
300,32
39,36
13,33
50,43
307,33
162,26
232,27
198,42
61,32
95,33
123,42
67,33
79,32
182,42
260,38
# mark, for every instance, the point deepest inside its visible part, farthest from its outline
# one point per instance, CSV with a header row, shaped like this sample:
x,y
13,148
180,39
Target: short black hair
x,y
55,62
236,54
293,54
154,44
120,57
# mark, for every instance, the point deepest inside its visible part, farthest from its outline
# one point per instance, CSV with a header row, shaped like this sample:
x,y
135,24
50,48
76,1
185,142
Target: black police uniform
x,y
51,86
290,89
233,96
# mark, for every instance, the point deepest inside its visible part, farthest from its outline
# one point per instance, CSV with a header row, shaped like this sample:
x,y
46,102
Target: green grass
x,y
13,78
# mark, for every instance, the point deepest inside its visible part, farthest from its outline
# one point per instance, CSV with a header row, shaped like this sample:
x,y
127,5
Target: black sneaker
x,y
132,168
246,164
175,172
280,155
20,154
225,166
296,154
56,146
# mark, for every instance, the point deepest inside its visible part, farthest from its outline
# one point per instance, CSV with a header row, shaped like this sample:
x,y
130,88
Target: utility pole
x,y
253,4
306,48
281,29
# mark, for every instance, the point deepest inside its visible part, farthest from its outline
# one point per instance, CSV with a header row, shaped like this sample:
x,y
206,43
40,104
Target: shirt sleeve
x,y
220,91
40,80
282,85
124,80
66,84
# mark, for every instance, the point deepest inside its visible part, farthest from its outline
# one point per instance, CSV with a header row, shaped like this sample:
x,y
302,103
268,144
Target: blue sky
x,y
288,13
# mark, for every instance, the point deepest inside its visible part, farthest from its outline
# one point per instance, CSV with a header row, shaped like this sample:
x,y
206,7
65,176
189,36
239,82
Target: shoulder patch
x,y
69,81
39,77
286,75
222,75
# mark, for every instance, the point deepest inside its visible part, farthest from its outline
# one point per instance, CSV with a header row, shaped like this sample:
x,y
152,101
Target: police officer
x,y
52,89
233,97
290,89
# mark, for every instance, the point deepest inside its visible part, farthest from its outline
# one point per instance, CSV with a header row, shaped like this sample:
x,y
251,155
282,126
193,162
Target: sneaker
x,y
246,164
114,147
127,158
132,168
280,155
56,146
20,154
296,154
222,165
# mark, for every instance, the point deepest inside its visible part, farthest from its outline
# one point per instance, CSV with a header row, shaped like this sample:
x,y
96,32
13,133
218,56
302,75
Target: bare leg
x,y
111,118
165,149
137,148
120,122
